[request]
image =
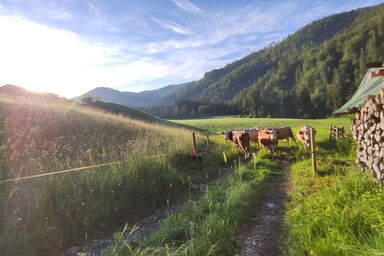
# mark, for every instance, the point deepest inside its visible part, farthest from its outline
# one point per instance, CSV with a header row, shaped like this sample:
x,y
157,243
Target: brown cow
x,y
253,134
240,140
304,136
285,133
268,138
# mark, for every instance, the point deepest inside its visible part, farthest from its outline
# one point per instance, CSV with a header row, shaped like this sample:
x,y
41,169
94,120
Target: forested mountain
x,y
136,99
309,74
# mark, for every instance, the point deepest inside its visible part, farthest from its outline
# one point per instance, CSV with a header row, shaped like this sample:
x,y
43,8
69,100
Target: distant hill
x,y
10,89
18,91
126,111
136,99
309,74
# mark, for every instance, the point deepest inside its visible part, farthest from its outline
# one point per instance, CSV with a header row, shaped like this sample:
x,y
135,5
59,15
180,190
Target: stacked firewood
x,y
368,131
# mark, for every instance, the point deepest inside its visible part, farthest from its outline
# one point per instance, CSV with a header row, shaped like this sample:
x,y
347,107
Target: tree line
x,y
308,75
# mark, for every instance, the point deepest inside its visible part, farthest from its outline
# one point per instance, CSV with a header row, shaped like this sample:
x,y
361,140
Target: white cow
x,y
304,136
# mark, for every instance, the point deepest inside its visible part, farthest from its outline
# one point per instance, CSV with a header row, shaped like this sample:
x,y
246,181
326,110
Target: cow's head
x,y
228,135
273,134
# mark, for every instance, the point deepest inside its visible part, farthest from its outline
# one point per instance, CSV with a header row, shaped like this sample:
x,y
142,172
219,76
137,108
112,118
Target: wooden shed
x,y
368,123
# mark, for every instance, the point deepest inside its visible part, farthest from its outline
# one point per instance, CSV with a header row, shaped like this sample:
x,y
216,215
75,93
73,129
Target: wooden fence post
x,y
337,133
194,145
342,132
313,150
207,140
330,132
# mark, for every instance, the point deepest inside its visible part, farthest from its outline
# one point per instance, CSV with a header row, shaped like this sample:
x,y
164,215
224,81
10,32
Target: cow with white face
x,y
240,140
268,138
304,136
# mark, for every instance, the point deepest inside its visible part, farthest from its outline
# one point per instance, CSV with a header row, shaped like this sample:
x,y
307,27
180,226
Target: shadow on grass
x,y
329,145
331,166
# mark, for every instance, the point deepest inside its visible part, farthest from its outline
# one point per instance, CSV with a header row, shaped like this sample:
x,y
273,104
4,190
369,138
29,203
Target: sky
x,y
69,47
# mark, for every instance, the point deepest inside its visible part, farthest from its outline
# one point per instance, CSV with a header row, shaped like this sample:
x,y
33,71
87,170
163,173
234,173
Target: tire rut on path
x,y
263,234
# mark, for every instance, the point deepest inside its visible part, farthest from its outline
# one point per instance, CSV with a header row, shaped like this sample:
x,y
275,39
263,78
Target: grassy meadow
x,y
43,216
336,212
215,125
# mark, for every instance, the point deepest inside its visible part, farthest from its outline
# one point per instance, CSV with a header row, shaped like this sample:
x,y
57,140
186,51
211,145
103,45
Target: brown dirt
x,y
263,234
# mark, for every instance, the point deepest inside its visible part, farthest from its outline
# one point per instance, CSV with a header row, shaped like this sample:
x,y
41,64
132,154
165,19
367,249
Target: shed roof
x,y
371,84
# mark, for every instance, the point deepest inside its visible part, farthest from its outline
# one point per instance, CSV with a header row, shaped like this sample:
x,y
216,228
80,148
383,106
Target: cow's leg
x,y
273,150
245,150
275,147
293,138
235,145
246,154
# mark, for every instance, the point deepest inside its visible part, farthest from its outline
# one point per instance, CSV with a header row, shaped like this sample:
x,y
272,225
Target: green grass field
x,y
336,212
215,125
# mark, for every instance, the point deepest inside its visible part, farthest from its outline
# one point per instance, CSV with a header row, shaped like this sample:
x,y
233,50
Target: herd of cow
x,y
266,137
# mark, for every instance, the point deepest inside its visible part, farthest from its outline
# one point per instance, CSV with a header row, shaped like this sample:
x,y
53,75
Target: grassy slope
x,y
41,216
133,114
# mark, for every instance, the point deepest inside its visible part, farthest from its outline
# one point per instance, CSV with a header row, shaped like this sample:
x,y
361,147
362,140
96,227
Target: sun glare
x,y
43,59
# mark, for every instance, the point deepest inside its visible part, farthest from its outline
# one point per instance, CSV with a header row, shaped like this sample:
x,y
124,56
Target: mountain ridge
x,y
130,99
308,74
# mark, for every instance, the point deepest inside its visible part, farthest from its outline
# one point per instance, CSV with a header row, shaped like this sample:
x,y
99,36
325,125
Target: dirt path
x,y
262,234
98,247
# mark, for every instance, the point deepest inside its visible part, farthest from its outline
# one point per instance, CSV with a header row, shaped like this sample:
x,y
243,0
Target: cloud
x,y
173,26
188,6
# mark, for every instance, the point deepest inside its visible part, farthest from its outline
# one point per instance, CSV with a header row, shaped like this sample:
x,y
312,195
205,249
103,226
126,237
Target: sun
x,y
43,59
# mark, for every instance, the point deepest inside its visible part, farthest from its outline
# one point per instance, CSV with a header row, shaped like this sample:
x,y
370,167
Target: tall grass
x,y
337,212
209,226
43,216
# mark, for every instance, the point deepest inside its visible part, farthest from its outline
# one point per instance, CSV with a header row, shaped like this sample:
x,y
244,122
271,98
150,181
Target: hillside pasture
x,y
46,214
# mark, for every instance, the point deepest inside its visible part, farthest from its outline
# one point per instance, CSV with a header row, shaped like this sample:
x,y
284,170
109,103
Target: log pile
x,y
368,131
